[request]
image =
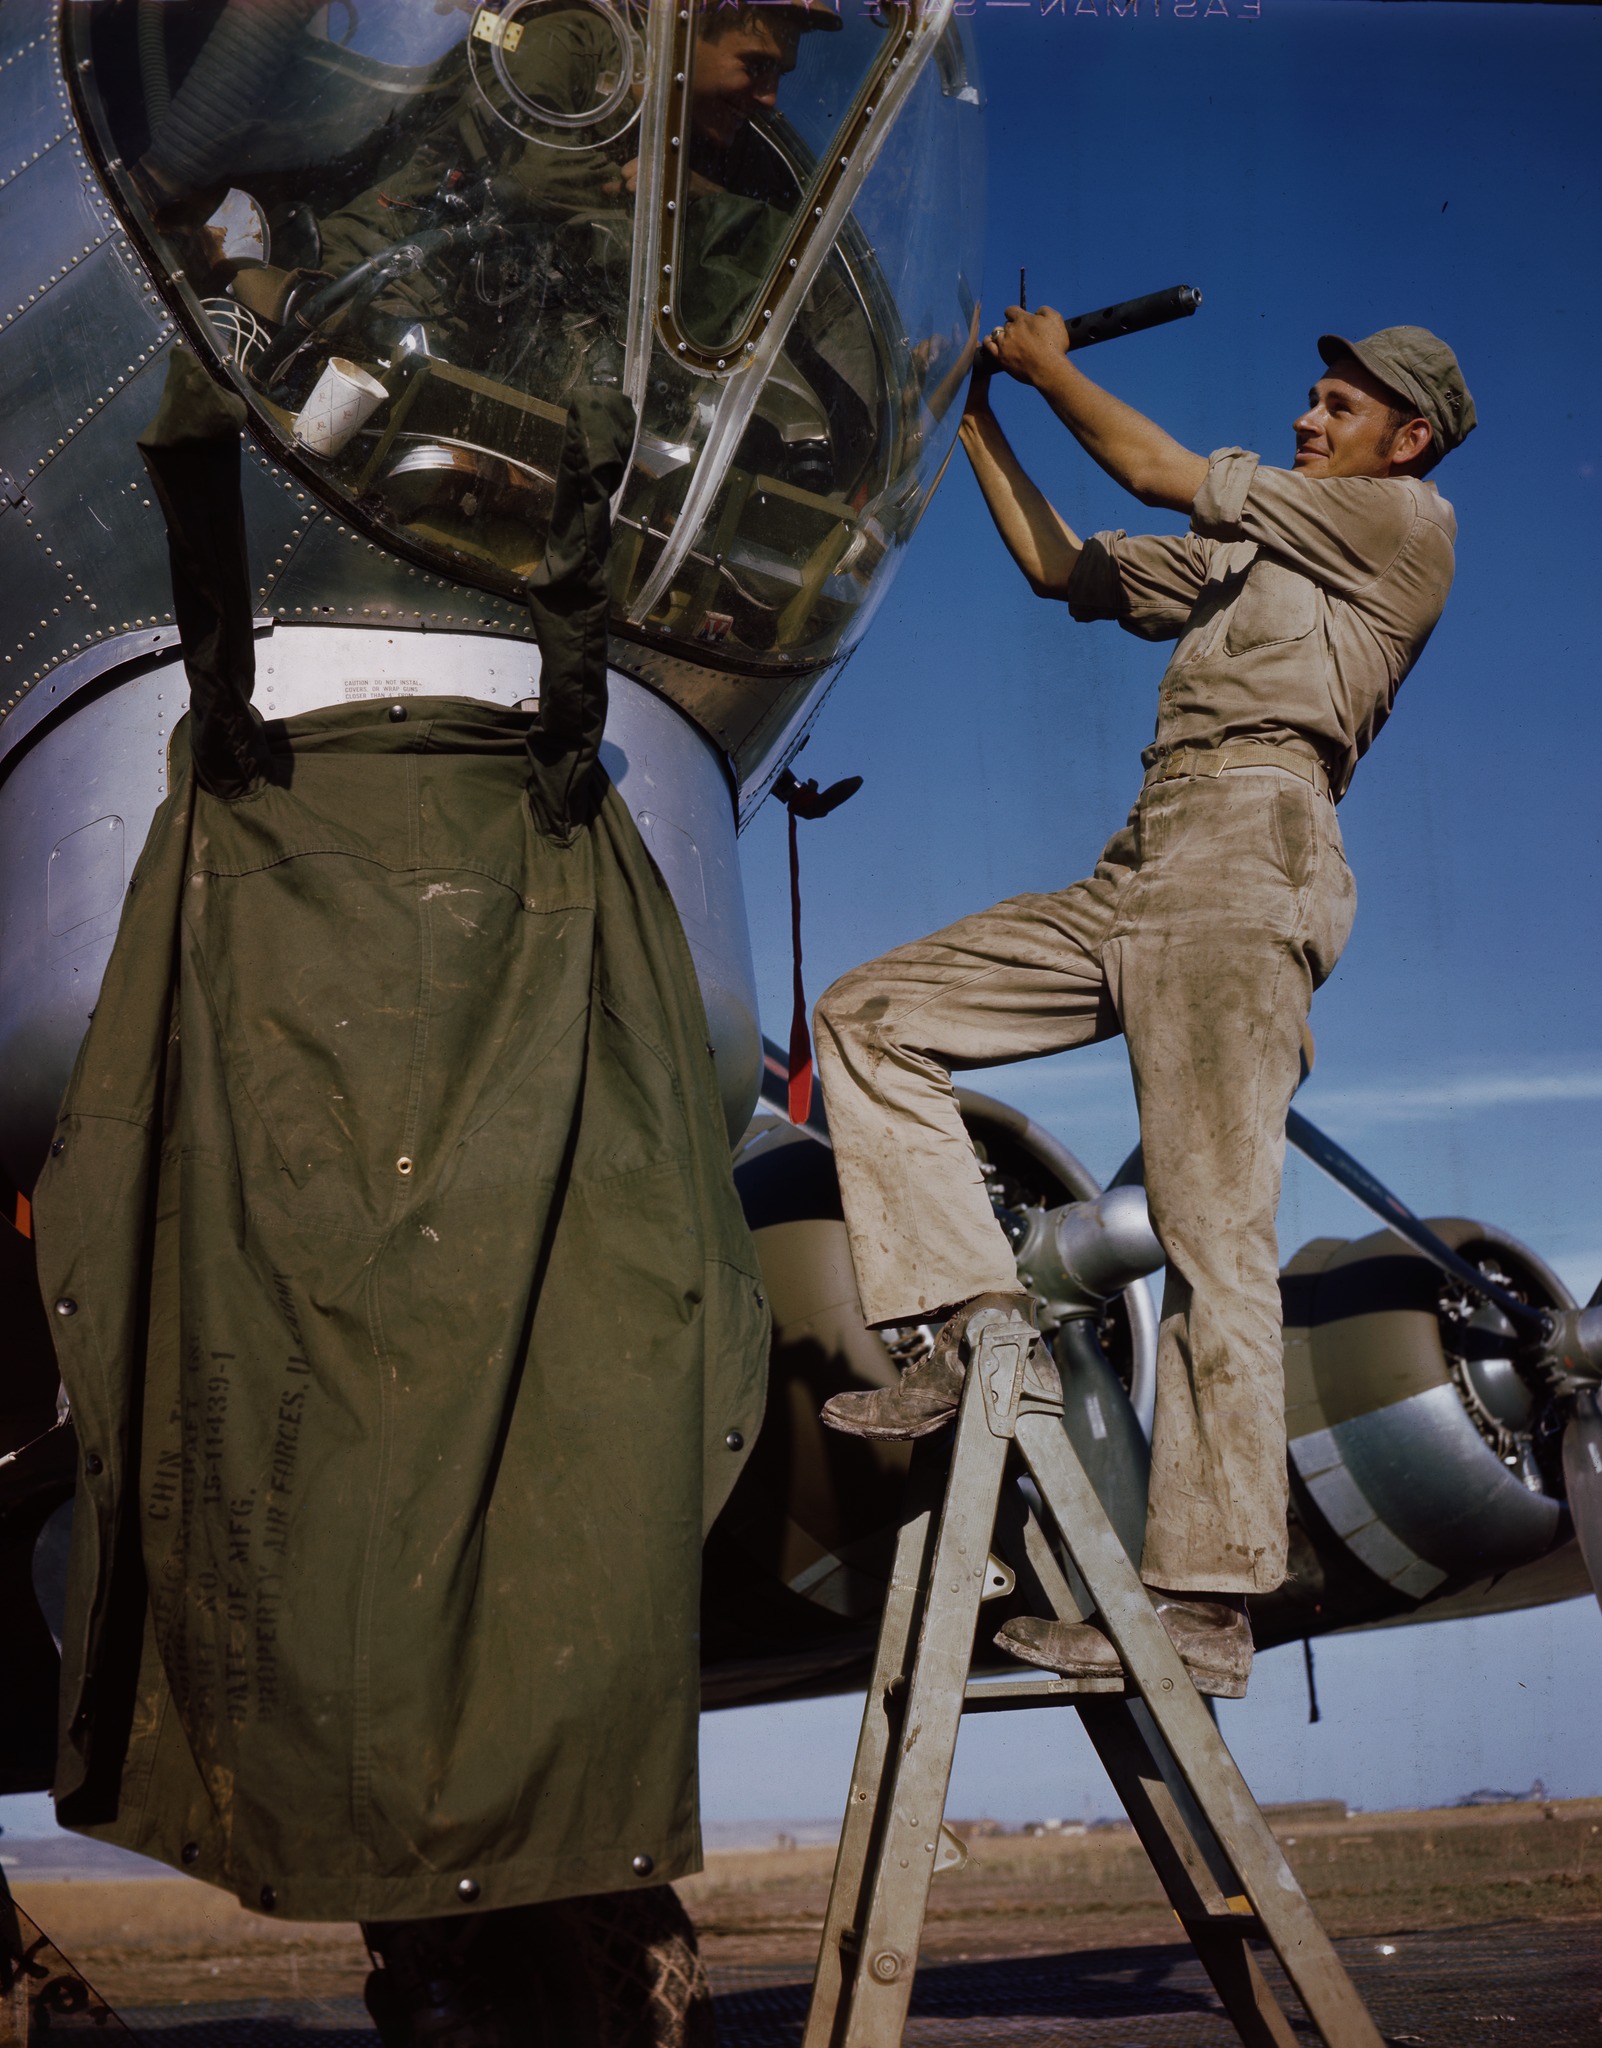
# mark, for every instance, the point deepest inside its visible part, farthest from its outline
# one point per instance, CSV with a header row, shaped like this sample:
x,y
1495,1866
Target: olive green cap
x,y
1419,367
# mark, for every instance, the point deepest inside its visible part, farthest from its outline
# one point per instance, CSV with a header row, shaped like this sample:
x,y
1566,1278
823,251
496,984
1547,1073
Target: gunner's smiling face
x,y
737,74
1350,427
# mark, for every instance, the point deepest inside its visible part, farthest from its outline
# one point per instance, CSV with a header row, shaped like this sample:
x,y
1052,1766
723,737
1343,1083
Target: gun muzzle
x,y
1131,315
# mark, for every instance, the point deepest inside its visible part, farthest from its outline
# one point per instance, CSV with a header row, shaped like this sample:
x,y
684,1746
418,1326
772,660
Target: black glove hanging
x,y
569,597
191,450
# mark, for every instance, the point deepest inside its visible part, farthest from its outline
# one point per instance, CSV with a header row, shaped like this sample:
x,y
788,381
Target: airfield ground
x,y
1498,1907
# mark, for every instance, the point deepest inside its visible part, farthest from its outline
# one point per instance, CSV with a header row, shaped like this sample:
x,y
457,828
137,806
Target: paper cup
x,y
342,400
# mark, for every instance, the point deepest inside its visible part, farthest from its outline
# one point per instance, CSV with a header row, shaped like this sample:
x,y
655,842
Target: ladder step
x,y
990,1695
1245,1926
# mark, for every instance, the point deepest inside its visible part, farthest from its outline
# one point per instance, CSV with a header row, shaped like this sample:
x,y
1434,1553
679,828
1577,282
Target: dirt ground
x,y
149,1942
1370,1874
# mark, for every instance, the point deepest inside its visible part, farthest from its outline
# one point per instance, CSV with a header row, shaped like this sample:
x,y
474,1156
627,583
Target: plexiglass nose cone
x,y
408,235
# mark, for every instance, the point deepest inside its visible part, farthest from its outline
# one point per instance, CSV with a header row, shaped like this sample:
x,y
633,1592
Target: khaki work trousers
x,y
1210,920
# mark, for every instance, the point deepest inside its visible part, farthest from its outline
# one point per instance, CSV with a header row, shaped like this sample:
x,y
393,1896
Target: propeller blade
x,y
1343,1169
1582,1478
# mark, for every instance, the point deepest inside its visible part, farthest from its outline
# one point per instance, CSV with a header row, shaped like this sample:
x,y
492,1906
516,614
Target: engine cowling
x,y
1413,1433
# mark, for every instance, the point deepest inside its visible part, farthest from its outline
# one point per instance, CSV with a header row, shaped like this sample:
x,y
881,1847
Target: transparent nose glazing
x,y
409,230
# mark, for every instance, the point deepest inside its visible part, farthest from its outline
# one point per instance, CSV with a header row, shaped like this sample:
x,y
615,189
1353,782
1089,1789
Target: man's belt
x,y
1240,754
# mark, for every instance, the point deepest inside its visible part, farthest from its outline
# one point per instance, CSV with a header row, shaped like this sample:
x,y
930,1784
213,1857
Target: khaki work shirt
x,y
1299,604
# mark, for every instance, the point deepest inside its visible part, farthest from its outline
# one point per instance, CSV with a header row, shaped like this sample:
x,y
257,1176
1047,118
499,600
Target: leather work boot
x,y
432,1990
926,1396
608,1970
1211,1632
623,1970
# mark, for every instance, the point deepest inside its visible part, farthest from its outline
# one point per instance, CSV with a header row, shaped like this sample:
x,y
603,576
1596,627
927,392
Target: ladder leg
x,y
1192,1868
1024,1544
1243,1990
881,1717
920,1764
1125,1611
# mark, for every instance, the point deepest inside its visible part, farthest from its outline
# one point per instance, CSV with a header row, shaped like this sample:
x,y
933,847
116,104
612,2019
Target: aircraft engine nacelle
x,y
1414,1437
1425,1468
798,1563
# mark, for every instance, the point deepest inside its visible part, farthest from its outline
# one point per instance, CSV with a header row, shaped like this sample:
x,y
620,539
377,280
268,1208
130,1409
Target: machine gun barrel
x,y
1131,315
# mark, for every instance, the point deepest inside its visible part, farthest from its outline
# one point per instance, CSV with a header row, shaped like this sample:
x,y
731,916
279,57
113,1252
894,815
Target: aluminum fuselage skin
x,y
78,795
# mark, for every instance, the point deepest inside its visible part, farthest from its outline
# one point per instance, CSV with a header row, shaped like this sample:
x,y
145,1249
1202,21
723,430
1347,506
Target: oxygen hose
x,y
153,73
225,90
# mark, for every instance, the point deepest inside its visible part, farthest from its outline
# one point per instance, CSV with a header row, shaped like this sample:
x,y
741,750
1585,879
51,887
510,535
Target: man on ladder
x,y
1299,599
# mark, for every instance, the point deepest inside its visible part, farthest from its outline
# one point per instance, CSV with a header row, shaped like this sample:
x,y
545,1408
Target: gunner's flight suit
x,y
1299,604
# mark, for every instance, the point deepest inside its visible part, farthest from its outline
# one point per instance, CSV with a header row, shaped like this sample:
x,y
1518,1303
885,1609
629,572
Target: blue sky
x,y
1325,164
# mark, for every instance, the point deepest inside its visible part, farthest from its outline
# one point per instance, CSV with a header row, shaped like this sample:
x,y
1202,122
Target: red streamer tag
x,y
800,1039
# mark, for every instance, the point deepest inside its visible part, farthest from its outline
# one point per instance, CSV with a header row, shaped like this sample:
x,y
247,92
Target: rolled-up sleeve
x,y
1148,582
1344,532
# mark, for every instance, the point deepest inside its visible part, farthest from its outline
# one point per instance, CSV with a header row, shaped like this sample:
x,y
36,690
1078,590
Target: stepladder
x,y
1220,1865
